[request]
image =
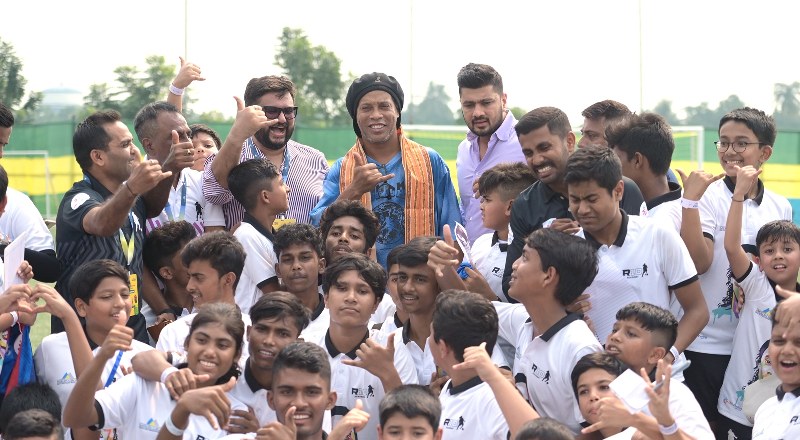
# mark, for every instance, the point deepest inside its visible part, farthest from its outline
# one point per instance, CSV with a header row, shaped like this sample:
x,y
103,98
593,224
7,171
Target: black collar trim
x,y
334,352
472,383
251,379
780,393
496,239
406,331
320,307
96,185
397,322
563,322
623,232
675,193
258,226
732,185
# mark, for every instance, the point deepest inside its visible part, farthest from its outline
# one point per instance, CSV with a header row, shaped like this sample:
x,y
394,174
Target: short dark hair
x,y
145,122
3,183
32,395
464,319
89,275
509,179
222,251
415,252
648,134
91,135
609,109
297,234
600,360
475,76
351,208
230,317
6,116
303,356
246,179
278,304
258,87
659,321
596,163
573,258
196,129
556,120
411,401
32,423
777,230
544,428
370,271
161,244
391,258
762,124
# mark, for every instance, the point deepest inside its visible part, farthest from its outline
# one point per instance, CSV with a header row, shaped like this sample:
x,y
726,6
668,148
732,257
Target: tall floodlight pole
x,y
185,29
411,58
641,63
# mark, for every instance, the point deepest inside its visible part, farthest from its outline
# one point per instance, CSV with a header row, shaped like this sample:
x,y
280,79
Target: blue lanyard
x,y
286,157
168,207
113,373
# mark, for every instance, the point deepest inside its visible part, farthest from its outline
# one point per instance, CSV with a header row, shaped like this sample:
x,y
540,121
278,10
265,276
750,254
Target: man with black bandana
x,y
263,127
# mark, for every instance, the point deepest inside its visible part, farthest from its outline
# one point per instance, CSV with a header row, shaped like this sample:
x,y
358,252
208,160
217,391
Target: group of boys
x,y
573,266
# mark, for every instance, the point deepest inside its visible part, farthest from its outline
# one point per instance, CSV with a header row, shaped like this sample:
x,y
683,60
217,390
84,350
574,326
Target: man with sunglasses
x,y
746,139
263,129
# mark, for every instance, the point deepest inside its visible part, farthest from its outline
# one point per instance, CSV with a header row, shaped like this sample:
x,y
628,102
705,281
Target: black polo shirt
x,y
75,246
538,204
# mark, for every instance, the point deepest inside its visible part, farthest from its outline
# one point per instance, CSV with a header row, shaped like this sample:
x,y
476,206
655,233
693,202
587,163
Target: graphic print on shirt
x,y
456,424
544,376
636,272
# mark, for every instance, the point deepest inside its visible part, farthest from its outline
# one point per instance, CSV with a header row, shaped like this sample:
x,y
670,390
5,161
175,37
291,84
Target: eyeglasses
x,y
274,112
738,146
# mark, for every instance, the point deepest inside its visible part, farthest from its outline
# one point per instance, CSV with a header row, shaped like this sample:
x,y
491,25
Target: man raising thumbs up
x,y
102,215
263,129
407,185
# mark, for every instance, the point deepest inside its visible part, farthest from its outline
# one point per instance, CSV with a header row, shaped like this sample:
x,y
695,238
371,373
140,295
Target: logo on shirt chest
x,y
636,272
543,375
363,393
152,425
67,378
455,424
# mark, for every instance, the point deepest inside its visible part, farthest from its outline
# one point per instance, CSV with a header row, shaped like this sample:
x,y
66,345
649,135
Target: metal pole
x,y
185,29
641,63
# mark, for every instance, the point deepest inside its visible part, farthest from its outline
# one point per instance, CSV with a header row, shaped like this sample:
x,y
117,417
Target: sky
x,y
567,53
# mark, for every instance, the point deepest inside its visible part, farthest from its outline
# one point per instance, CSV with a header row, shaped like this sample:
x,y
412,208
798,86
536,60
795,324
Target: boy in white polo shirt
x,y
746,137
553,270
640,259
779,417
469,409
363,368
258,186
777,263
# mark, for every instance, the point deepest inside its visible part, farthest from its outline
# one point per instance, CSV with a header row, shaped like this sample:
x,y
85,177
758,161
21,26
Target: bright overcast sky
x,y
567,54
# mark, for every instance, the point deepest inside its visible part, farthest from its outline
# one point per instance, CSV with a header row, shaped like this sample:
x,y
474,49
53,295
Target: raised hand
x,y
746,177
477,358
354,420
249,120
443,253
696,183
374,357
182,381
25,271
366,177
566,225
210,402
54,303
789,309
146,175
16,298
242,422
119,338
280,431
475,282
188,73
659,399
181,154
580,305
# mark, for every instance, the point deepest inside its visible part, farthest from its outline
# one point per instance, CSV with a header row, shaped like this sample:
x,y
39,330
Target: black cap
x,y
367,83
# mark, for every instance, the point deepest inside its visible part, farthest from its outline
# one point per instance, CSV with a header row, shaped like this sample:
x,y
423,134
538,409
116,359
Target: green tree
x,y
12,83
787,105
315,72
701,115
134,88
664,108
730,103
518,112
434,108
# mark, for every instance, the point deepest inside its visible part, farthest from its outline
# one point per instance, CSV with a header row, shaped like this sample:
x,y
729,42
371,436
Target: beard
x,y
263,137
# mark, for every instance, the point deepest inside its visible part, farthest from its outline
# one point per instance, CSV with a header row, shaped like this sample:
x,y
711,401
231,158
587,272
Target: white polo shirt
x,y
53,360
353,383
470,411
750,343
199,428
174,334
248,391
717,285
543,365
645,263
135,407
386,308
489,257
186,202
666,208
259,262
778,417
21,215
319,322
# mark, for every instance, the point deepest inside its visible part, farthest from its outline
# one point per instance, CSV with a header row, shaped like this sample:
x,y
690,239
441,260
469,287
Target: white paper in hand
x,y
463,240
12,258
630,388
